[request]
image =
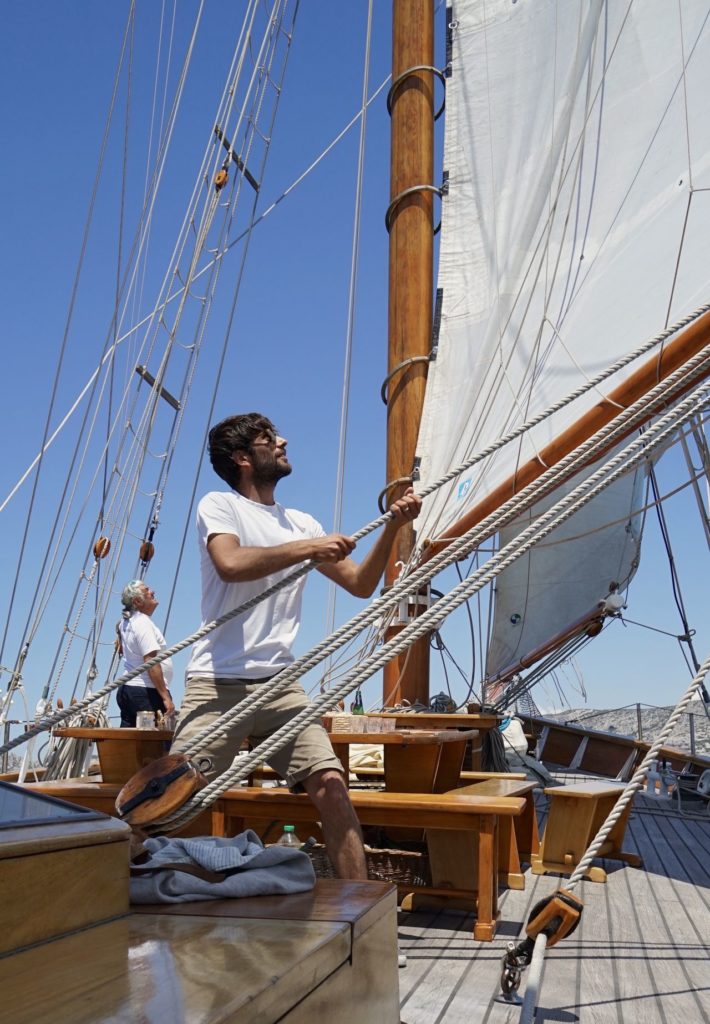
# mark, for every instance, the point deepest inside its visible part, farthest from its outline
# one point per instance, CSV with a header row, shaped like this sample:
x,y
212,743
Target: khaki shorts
x,y
208,698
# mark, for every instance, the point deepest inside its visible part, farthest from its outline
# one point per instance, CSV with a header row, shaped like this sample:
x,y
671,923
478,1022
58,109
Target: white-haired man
x,y
140,640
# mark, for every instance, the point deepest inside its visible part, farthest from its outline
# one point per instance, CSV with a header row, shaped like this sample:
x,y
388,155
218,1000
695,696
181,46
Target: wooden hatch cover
x,y
159,789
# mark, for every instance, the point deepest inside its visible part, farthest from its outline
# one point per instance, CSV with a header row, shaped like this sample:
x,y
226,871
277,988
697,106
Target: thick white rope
x,y
638,778
543,485
631,456
458,549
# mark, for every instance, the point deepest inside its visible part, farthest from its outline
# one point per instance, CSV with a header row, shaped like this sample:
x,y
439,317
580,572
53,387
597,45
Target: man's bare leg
x,y
341,829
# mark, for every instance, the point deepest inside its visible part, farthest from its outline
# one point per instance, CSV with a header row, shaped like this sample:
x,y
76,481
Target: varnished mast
x,y
410,288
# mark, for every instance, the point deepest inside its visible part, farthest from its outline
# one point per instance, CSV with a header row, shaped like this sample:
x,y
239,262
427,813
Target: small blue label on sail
x,y
464,488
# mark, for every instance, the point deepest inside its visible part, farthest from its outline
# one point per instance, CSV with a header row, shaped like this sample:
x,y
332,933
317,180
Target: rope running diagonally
x,y
549,478
546,483
631,456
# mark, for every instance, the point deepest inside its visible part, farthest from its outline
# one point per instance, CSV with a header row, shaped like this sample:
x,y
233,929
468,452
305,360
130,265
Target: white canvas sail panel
x,y
561,579
575,226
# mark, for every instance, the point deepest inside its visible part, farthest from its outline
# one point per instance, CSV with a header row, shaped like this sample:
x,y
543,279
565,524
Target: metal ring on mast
x,y
397,368
403,195
410,71
388,487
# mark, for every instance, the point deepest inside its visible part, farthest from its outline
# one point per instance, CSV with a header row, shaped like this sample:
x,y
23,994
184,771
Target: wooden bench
x,y
478,814
576,814
452,854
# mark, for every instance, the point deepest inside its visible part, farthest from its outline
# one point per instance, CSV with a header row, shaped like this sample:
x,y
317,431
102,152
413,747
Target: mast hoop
x,y
400,366
403,195
410,71
388,487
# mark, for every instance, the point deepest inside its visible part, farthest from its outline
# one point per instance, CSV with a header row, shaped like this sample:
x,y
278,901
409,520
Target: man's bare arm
x,y
362,579
236,563
156,678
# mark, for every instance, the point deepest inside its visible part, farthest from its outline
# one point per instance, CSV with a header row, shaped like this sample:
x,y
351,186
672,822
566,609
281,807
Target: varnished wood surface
x,y
120,735
419,810
437,720
123,752
359,904
405,737
590,790
172,968
284,958
576,814
16,842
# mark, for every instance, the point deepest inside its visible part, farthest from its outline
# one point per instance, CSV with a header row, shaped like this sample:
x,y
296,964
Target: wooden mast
x,y
688,343
410,289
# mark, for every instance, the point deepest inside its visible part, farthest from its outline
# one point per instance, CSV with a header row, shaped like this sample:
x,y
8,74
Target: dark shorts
x,y
132,699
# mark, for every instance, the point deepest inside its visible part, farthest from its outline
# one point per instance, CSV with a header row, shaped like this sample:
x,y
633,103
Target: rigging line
x,y
68,321
155,400
685,94
622,462
175,295
634,453
639,776
643,160
235,296
352,286
139,290
253,119
675,582
157,177
653,629
540,417
631,456
679,254
646,507
119,258
547,482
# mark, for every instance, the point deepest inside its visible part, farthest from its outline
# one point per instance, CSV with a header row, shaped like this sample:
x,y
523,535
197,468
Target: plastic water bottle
x,y
289,838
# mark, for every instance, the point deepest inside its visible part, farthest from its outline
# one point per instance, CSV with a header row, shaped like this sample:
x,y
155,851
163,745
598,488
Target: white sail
x,y
538,596
575,222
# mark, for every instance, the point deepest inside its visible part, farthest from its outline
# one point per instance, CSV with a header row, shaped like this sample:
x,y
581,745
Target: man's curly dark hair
x,y
236,433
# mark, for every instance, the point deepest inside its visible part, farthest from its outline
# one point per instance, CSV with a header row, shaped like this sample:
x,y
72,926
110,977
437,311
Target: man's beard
x,y
268,468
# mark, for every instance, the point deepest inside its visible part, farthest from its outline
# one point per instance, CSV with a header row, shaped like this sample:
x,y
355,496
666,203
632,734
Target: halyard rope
x,y
630,457
538,488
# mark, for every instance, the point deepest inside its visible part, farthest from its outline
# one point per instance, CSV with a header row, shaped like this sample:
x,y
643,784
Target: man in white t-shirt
x,y
248,542
140,640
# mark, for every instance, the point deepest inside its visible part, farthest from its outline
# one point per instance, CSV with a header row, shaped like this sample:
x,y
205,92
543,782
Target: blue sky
x,y
287,344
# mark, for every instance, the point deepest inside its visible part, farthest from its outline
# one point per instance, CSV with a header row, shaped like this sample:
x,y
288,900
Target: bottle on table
x,y
357,706
289,838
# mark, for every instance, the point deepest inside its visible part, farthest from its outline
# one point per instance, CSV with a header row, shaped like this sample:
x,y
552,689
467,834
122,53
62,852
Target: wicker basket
x,y
403,867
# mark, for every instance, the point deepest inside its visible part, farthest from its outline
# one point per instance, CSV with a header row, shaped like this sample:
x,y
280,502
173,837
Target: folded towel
x,y
213,868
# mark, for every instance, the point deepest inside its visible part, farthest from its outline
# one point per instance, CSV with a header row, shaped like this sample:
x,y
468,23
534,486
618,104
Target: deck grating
x,y
640,954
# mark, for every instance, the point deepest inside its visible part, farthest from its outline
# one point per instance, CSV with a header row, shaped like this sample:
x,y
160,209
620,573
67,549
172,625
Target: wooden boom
x,y
688,343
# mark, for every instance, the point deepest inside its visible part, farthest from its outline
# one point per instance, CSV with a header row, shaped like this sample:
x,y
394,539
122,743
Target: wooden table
x,y
123,752
415,760
482,723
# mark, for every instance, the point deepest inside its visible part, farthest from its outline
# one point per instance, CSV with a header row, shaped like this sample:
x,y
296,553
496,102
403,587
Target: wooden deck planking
x,y
640,953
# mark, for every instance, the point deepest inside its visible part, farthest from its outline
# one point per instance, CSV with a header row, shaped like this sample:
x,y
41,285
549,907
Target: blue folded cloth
x,y
178,870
